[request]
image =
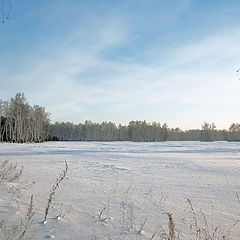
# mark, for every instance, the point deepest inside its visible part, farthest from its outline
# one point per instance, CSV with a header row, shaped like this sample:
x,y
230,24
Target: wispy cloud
x,y
86,75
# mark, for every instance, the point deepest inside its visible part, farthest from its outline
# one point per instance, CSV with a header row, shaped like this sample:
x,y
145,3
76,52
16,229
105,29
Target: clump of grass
x,y
19,231
93,237
25,225
9,233
205,231
167,234
127,220
140,231
62,175
238,198
9,172
171,227
104,216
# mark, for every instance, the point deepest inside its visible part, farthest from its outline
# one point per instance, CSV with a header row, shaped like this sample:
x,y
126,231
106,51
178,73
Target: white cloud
x,y
199,73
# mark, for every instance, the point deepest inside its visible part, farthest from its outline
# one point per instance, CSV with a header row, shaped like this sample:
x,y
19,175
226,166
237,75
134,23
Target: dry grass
x,y
18,232
201,228
9,172
140,231
170,233
238,198
62,175
103,216
26,224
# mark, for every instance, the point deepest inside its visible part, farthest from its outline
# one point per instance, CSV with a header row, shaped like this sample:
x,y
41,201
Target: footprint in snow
x,y
49,236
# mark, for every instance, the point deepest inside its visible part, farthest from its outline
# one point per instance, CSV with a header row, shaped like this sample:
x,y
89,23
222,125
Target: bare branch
x,y
5,9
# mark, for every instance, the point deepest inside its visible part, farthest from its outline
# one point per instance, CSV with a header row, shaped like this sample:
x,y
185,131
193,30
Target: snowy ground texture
x,y
122,190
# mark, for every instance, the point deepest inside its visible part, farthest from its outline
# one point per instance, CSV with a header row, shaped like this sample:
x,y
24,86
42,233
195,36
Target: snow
x,y
130,183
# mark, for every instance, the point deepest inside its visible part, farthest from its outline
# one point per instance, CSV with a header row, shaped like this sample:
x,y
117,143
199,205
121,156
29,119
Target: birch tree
x,y
22,123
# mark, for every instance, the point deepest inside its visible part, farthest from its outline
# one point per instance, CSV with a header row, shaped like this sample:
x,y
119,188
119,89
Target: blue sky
x,y
170,61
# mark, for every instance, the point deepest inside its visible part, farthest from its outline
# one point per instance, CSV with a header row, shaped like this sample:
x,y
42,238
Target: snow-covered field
x,y
113,190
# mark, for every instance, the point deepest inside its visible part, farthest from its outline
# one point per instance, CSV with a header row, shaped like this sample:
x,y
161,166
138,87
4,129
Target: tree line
x,y
137,131
140,131
20,122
